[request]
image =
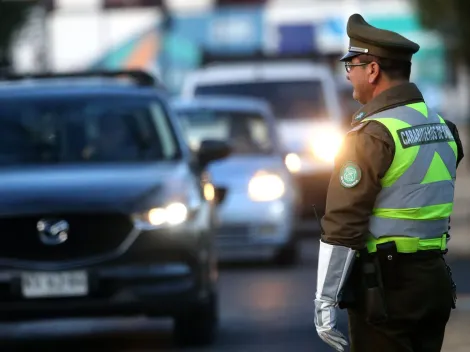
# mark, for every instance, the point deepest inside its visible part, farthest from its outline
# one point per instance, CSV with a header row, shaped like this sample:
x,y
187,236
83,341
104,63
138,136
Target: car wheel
x,y
198,325
288,255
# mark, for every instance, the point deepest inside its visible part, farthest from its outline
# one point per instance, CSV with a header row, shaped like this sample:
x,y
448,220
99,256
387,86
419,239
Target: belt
x,y
409,244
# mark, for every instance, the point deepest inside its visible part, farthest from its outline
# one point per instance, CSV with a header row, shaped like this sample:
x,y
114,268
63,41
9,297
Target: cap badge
x,y
356,49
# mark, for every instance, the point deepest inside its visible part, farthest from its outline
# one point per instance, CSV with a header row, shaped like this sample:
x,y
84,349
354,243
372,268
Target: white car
x,y
306,104
256,192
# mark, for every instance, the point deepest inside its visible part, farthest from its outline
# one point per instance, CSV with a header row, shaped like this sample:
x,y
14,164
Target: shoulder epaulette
x,y
359,127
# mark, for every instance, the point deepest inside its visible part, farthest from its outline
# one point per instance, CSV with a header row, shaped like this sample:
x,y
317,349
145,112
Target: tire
x,y
198,326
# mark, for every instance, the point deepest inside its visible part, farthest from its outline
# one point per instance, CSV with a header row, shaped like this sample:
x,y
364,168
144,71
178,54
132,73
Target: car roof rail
x,y
140,77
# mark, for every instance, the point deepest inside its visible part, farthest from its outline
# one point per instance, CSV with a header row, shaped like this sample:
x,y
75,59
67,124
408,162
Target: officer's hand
x,y
325,322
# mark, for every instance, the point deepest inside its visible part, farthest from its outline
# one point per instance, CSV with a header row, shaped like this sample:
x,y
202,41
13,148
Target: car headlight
x,y
326,144
209,192
293,162
265,187
171,215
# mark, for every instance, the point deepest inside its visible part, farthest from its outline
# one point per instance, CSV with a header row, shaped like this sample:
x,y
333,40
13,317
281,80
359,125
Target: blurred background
x,y
262,307
174,37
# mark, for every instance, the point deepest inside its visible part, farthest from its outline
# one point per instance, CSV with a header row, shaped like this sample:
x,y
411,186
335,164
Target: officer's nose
x,y
347,76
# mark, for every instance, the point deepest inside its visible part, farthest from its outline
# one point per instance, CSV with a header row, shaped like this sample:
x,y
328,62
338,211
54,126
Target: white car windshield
x,y
288,99
247,132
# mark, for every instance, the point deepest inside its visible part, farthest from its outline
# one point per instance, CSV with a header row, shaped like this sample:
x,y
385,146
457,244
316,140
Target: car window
x,y
83,130
247,132
163,129
288,99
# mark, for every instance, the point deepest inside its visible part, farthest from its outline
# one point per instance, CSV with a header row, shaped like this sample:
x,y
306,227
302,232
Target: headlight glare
x,y
326,145
173,214
176,213
265,187
293,162
157,216
209,192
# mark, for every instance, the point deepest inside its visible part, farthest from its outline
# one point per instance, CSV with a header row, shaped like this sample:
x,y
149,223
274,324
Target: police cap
x,y
366,39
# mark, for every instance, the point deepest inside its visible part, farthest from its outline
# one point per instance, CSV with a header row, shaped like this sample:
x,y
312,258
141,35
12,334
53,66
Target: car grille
x,y
233,234
89,235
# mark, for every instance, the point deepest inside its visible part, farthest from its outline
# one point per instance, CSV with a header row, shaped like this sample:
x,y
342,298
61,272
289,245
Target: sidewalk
x,y
457,338
459,244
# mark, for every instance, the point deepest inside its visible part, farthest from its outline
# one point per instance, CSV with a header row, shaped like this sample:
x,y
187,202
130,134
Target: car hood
x,y
237,170
87,188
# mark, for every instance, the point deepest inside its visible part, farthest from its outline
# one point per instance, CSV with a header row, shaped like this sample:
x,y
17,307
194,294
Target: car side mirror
x,y
211,150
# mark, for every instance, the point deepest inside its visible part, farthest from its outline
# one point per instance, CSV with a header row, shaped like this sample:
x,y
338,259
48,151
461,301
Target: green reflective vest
x,y
417,193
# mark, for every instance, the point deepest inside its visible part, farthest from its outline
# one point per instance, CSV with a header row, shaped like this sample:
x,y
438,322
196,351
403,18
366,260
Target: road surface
x,y
263,308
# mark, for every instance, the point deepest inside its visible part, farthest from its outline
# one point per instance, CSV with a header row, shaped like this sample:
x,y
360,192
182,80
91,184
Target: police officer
x,y
387,214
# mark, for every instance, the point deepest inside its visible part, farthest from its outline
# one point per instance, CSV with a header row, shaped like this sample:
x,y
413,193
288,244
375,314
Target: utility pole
x,y
43,52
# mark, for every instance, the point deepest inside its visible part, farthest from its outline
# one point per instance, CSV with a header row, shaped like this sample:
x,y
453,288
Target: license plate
x,y
59,284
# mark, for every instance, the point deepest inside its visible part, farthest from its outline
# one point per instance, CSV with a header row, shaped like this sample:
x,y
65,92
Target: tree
x,y
450,18
12,16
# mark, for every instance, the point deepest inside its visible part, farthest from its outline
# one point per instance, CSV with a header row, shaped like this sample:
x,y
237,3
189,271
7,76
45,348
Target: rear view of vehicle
x,y
305,102
101,208
256,194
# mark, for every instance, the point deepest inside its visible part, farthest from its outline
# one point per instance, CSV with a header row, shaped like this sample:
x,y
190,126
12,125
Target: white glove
x,y
334,264
325,322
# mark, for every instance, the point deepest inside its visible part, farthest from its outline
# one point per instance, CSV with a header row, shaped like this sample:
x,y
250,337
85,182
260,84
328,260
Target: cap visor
x,y
349,55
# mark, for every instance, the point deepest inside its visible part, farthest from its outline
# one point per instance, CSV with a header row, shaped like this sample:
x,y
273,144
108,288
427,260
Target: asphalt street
x,y
263,308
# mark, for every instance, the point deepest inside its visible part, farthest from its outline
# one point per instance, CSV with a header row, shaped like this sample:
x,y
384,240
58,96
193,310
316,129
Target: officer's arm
x,y
460,154
455,133
366,155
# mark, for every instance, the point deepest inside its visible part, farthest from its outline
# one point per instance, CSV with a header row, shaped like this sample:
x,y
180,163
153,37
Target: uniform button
x,y
390,257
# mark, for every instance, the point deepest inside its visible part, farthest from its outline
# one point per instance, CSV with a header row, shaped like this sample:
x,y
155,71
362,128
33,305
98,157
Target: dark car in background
x,y
103,208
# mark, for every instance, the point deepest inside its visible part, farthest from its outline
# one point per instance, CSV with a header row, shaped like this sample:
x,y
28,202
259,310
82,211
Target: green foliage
x,y
452,19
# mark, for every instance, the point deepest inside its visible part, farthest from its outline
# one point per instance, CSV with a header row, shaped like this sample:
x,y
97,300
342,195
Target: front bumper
x,y
248,228
161,274
245,240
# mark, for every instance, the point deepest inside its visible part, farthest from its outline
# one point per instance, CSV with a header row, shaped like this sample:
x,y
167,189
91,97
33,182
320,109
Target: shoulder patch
x,y
350,174
359,116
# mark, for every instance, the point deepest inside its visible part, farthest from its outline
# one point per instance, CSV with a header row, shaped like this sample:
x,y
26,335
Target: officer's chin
x,y
357,98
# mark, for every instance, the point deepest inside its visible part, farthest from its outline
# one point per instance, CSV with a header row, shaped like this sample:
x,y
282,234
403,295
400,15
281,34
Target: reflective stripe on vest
x,y
417,193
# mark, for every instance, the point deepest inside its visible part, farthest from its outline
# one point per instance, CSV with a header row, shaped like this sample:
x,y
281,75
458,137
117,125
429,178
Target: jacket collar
x,y
402,94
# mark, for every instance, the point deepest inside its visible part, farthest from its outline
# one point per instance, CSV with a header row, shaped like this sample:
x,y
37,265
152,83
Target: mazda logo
x,y
53,232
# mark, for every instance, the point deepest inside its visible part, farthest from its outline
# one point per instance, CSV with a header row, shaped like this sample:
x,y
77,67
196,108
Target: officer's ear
x,y
373,72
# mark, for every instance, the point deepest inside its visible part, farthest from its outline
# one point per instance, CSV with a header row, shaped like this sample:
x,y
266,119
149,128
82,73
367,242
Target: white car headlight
x,y
293,162
171,215
326,144
265,187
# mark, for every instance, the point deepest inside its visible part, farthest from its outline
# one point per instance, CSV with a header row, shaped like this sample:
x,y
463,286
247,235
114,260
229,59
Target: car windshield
x,y
288,99
247,132
79,130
